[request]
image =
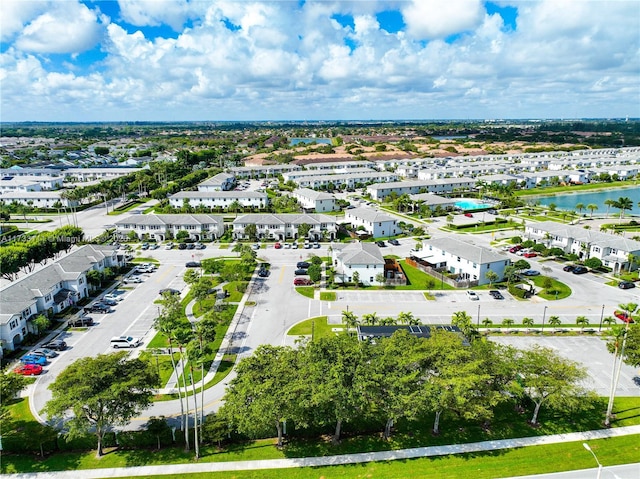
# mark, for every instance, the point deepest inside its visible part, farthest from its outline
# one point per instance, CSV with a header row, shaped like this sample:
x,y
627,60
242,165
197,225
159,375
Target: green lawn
x,y
550,190
558,290
307,291
234,295
327,296
319,326
142,259
417,280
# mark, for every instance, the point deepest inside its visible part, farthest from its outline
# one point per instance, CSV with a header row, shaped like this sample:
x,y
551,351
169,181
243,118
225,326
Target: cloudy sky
x,y
72,60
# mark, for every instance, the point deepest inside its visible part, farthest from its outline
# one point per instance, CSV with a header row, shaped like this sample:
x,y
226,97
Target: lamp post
x,y
601,318
586,446
478,316
544,315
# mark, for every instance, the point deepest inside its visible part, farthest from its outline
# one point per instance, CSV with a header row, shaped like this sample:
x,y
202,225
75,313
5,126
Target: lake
x,y
568,201
306,141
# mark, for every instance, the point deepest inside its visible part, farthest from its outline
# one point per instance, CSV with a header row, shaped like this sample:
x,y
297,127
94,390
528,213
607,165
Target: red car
x,y
28,369
302,282
468,215
515,249
530,254
623,316
277,246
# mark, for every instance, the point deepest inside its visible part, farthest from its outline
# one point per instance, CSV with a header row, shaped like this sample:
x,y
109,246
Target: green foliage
x,y
593,263
315,272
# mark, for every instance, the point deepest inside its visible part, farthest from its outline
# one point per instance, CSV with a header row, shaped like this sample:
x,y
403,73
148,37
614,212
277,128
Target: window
x,y
47,297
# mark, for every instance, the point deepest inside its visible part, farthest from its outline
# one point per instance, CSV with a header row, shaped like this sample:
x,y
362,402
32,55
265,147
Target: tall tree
x,y
350,319
592,207
266,391
102,391
547,377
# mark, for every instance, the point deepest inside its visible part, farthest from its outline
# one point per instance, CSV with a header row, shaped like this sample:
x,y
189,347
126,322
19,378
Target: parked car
x,y
154,246
277,245
307,245
28,370
472,295
302,282
381,244
108,301
623,316
287,245
169,246
255,246
316,245
468,215
56,344
530,254
626,284
169,290
145,246
300,271
132,279
200,246
182,246
515,249
580,270
191,246
394,242
569,268
113,297
496,294
98,308
303,264
263,272
33,359
81,322
531,272
192,264
294,246
49,353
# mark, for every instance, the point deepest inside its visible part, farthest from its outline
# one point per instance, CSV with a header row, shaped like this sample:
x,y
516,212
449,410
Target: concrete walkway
x,y
401,454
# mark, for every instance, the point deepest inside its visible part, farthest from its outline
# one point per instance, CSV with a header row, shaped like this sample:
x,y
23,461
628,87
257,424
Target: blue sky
x,y
126,60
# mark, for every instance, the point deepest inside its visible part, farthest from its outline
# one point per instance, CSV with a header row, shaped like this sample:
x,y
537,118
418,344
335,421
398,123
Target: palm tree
x,y
486,322
350,319
582,321
609,204
623,204
527,322
407,318
555,321
592,207
507,322
370,319
579,207
609,320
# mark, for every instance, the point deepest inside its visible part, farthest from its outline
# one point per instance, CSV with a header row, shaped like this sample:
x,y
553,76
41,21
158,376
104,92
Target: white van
x,y
125,342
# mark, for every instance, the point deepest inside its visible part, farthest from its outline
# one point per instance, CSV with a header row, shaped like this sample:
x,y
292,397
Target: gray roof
x,y
590,236
313,194
293,218
359,253
218,179
431,199
170,219
368,214
474,253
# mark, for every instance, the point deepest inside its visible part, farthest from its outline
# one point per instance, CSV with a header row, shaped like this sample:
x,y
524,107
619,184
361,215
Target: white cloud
x,y
427,19
67,27
154,13
17,13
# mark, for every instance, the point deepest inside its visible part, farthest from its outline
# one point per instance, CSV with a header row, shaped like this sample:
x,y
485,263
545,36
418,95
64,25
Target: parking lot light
x,y
586,446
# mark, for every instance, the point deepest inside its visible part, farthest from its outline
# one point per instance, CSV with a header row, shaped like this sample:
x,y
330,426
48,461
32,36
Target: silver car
x,y
47,353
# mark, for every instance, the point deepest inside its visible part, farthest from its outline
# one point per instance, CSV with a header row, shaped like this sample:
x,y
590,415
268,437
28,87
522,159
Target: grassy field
x,y
307,291
418,280
327,296
558,290
318,325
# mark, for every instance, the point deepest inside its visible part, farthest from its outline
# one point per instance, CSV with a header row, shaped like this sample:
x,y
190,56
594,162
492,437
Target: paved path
x,y
402,454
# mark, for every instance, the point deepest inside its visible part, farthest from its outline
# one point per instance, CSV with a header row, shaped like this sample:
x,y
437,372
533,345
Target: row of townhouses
x,y
50,290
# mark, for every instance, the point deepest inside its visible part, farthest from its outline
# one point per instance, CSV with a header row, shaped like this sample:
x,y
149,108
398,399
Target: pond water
x,y
306,141
568,201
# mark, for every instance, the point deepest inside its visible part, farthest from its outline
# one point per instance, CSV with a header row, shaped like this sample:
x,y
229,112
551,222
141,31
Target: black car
x,y
580,270
182,246
192,264
496,294
569,268
81,322
381,244
626,284
169,290
299,272
191,246
302,265
394,242
263,272
98,308
56,344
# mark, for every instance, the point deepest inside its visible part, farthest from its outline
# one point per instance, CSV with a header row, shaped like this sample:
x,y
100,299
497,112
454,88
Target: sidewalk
x,y
401,454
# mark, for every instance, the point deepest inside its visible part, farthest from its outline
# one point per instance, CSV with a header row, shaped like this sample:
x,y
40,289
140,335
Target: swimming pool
x,y
467,204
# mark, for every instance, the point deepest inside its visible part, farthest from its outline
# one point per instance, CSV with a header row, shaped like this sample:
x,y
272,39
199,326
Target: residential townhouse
x,y
50,290
219,199
363,258
349,180
37,199
376,224
219,182
468,261
30,183
285,226
380,191
613,250
262,171
313,201
201,227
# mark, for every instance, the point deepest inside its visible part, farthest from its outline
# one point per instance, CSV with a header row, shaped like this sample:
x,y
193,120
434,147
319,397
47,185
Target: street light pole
x,y
601,318
478,316
586,446
544,315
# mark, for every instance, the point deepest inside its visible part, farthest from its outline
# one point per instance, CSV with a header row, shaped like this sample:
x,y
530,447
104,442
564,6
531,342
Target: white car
x,y
114,297
472,295
132,279
287,245
295,246
169,246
